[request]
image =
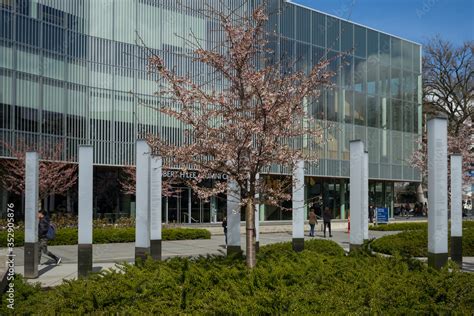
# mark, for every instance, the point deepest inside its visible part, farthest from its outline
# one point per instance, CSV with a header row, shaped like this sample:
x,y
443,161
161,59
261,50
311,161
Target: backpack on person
x,y
51,234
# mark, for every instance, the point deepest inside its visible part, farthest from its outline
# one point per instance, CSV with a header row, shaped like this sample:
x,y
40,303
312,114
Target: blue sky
x,y
415,20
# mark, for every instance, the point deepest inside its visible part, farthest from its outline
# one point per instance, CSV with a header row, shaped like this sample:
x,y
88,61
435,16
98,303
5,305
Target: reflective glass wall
x,y
67,69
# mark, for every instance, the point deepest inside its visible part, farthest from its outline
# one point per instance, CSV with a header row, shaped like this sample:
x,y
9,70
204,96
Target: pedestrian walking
x,y
224,225
312,222
45,232
327,216
371,213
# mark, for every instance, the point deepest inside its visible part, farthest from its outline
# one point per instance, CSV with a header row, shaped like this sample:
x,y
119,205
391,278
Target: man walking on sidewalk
x,y
43,228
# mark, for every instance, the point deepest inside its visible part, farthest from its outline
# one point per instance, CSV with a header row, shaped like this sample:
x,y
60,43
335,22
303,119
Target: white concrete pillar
x,y
31,246
298,206
437,192
456,208
233,218
84,249
155,207
365,197
356,193
142,231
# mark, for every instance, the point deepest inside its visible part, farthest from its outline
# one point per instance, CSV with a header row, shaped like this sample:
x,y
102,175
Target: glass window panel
x,y
332,105
319,29
303,20
347,71
287,54
333,35
408,117
397,148
76,45
334,66
287,21
373,111
396,52
416,59
317,106
385,120
272,24
6,22
347,37
52,15
385,146
303,57
27,91
124,18
27,30
53,38
101,18
384,48
372,43
360,105
395,83
360,74
318,55
5,87
407,55
347,108
384,80
360,41
53,66
372,76
28,60
6,55
397,119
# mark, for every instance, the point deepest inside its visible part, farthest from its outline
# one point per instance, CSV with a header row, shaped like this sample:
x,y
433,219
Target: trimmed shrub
x,y
399,226
68,236
284,282
415,243
412,226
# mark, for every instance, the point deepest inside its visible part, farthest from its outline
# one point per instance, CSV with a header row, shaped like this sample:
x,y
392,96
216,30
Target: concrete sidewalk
x,y
108,255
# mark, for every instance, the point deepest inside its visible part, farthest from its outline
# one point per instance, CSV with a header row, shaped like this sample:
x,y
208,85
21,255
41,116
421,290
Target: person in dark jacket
x,y
224,225
371,213
43,227
327,220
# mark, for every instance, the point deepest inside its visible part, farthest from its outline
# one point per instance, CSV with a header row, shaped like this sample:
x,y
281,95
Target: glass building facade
x,y
67,69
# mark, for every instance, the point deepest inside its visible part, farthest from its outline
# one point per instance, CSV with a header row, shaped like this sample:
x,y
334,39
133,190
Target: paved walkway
x,y
107,255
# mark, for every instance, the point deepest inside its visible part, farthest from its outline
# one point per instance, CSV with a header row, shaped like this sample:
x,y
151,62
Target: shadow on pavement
x,y
46,269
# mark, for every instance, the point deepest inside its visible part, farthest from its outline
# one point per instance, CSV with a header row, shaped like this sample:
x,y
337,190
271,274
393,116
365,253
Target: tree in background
x,y
448,82
448,89
245,113
55,176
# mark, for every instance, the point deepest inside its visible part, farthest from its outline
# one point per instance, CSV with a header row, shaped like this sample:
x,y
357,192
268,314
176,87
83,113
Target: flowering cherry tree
x,y
462,143
55,176
253,117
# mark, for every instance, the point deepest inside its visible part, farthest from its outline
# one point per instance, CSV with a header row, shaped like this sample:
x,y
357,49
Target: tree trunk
x,y
68,202
52,202
251,259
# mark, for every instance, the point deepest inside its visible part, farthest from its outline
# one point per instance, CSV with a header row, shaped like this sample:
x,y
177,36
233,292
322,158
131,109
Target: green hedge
x,y
412,226
68,236
415,243
284,282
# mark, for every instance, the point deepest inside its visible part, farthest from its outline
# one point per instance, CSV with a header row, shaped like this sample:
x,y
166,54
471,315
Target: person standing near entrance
x,y
371,213
224,225
327,220
312,222
43,228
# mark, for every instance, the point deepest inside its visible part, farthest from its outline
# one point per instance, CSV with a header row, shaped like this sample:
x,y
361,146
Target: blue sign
x,y
382,215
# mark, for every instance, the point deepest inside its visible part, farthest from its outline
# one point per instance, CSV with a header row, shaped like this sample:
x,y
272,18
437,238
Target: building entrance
x,y
185,207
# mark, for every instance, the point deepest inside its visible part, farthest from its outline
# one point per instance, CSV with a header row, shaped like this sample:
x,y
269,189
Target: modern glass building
x,y
67,69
